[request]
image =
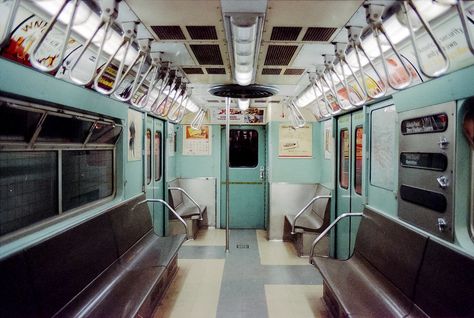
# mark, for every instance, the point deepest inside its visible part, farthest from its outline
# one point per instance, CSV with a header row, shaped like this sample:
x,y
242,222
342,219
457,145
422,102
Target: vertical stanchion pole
x,y
227,159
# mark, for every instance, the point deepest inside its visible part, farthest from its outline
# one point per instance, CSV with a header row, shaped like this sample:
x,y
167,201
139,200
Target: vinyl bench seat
x,y
397,272
112,265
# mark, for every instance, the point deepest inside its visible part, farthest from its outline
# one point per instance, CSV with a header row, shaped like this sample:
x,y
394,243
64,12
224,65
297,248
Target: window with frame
x,y
48,168
157,154
359,134
148,156
243,148
344,159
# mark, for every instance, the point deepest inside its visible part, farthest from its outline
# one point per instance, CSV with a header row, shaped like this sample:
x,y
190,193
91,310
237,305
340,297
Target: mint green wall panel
x,y
325,166
289,169
457,85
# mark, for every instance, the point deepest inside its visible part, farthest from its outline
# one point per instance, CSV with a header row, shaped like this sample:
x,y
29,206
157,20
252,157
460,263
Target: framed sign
x,y
295,143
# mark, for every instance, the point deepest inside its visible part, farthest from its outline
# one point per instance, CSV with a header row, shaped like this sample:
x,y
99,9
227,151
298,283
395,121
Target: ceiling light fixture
x,y
243,103
244,30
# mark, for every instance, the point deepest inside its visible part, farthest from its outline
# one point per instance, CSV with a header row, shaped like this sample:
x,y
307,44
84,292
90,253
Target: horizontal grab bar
x,y
305,208
190,198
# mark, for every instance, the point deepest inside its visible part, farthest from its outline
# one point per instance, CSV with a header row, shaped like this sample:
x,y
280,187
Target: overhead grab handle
x,y
312,80
373,16
128,36
36,61
465,25
196,124
320,79
410,4
329,65
168,84
356,44
11,14
108,14
176,114
175,105
150,76
162,78
340,52
162,109
296,117
143,51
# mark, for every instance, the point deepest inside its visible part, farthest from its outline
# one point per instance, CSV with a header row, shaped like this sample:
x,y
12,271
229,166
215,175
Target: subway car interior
x,y
236,158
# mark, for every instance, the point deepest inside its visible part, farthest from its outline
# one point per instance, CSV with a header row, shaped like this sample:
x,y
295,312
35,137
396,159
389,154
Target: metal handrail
x,y
431,34
330,71
315,84
190,198
374,19
166,81
128,36
63,44
323,233
296,117
305,208
5,37
176,114
108,14
319,78
169,207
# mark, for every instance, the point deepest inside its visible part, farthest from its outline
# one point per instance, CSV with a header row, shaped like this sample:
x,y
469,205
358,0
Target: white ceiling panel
x,y
177,53
312,54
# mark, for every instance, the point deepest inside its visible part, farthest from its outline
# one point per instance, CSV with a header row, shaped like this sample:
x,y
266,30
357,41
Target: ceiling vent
x,y
168,32
280,54
249,91
207,54
215,70
192,70
197,32
271,71
285,33
294,71
319,34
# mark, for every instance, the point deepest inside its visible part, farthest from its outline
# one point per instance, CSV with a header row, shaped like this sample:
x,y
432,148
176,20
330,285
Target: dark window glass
x,y
359,132
424,125
243,148
28,188
148,156
17,124
344,159
87,176
157,154
64,130
424,160
105,134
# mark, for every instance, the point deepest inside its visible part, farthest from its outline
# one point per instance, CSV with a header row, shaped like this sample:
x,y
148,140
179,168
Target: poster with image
x,y
295,143
135,124
197,142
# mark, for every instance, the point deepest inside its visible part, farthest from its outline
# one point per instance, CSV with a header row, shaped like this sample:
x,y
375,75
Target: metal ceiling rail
x,y
374,20
143,52
296,117
340,52
128,36
168,83
405,8
35,62
151,75
329,71
198,119
320,79
356,44
176,114
11,14
108,14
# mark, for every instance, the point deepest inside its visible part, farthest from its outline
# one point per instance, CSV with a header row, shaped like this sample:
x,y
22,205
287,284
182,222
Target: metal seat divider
x,y
293,224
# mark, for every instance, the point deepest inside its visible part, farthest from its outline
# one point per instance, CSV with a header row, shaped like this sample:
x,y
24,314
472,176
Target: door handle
x,y
262,173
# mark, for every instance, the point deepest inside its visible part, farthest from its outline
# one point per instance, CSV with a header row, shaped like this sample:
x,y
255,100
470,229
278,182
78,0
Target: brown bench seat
x,y
397,272
112,265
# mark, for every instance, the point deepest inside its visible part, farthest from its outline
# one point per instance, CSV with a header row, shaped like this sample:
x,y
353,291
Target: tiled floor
x,y
266,279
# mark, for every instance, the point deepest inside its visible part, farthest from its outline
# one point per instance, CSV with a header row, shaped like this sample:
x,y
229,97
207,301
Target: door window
x,y
359,132
157,155
344,159
243,148
148,156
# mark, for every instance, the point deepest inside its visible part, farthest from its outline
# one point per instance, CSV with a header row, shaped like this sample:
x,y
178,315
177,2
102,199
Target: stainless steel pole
x,y
227,193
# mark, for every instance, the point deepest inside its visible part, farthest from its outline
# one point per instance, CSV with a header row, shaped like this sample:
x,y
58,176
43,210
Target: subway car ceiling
x,y
89,65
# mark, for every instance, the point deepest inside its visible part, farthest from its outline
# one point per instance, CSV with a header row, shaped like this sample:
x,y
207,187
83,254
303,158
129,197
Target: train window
x,y
17,124
148,156
243,148
382,147
105,133
87,176
59,129
28,188
344,159
359,132
157,154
